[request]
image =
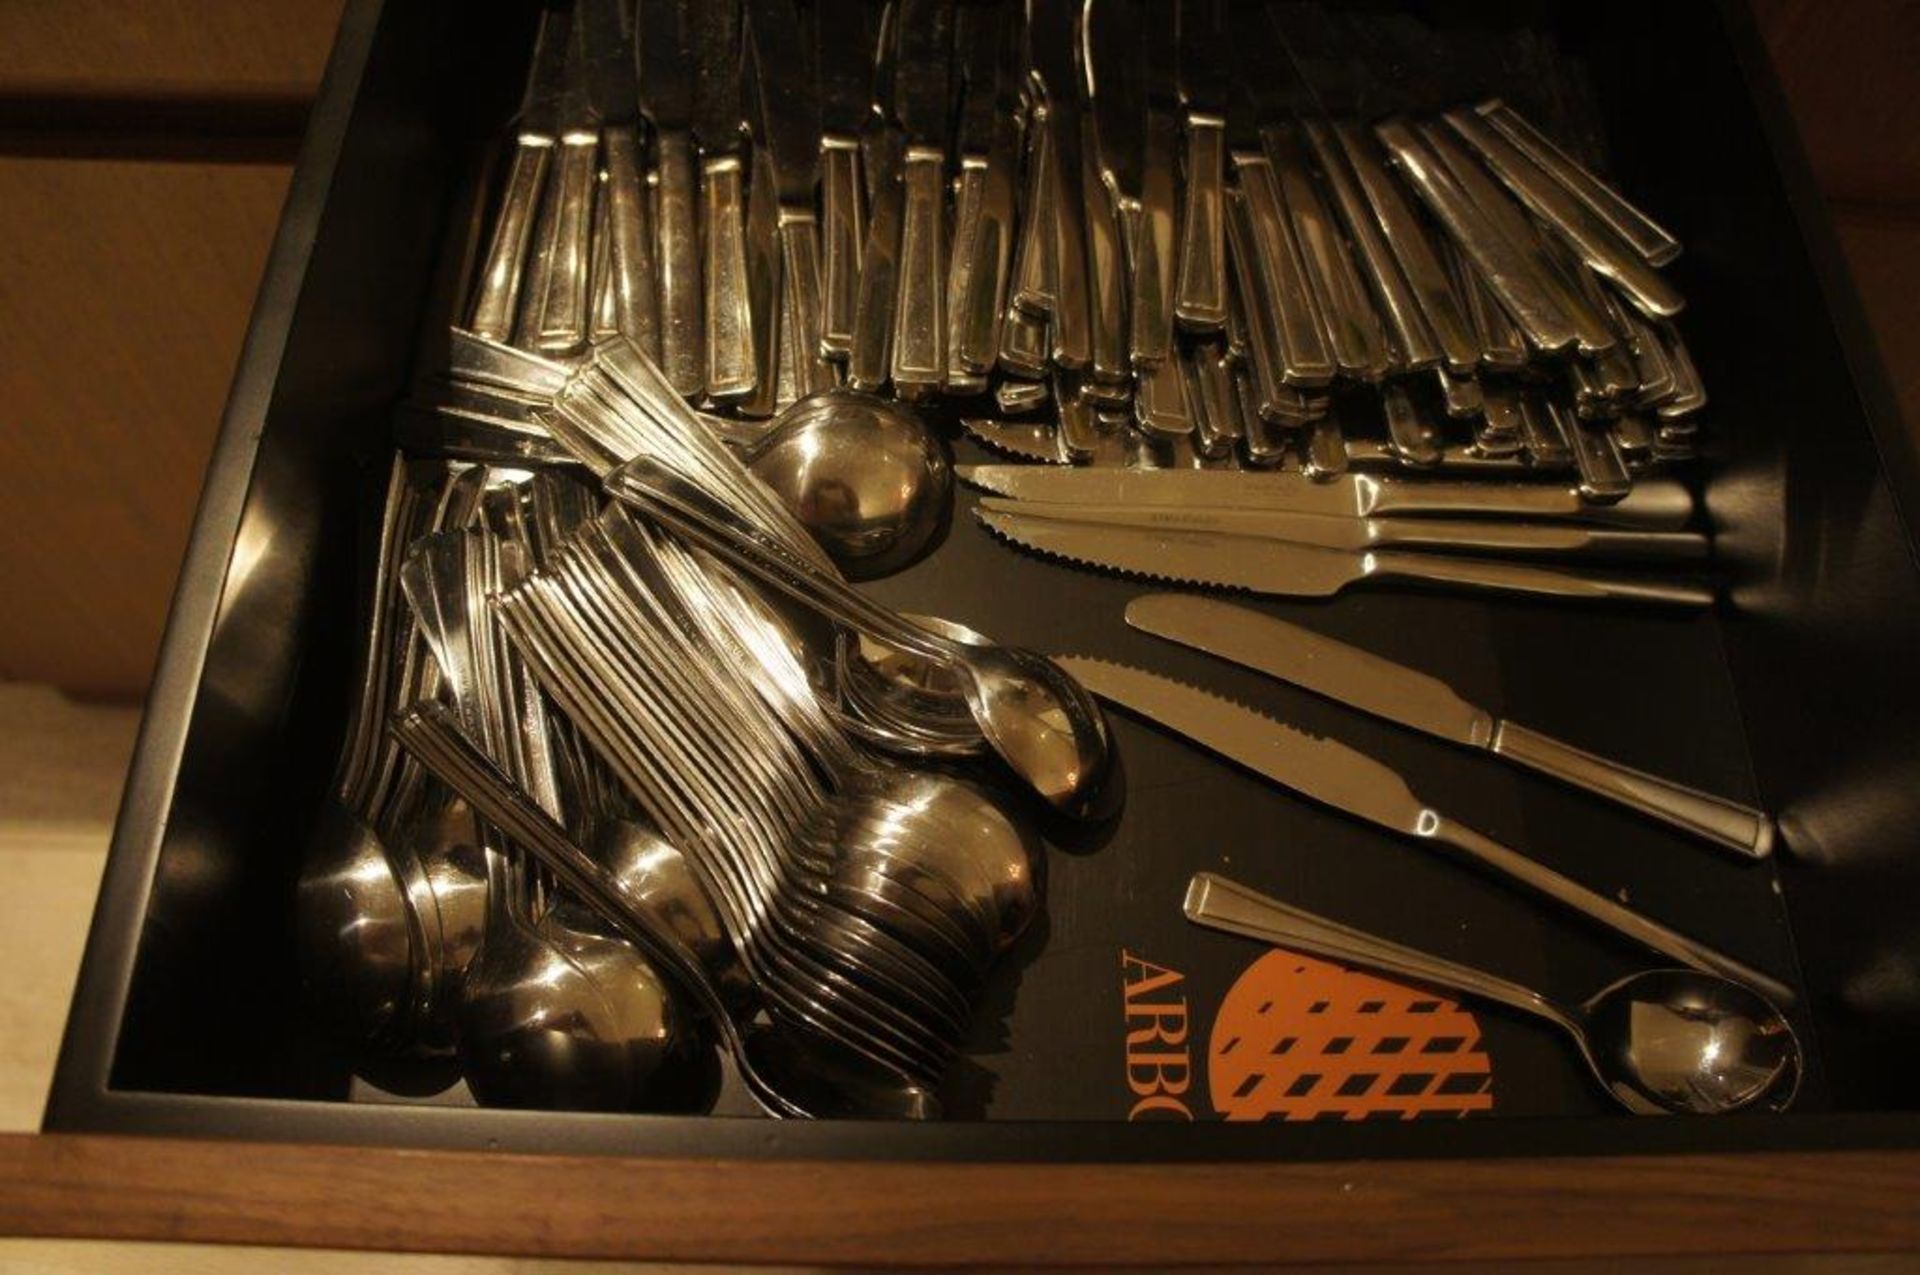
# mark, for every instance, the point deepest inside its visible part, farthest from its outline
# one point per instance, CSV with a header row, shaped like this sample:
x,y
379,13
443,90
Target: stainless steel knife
x,y
1373,684
991,123
1288,569
1161,402
713,39
788,123
1329,531
556,310
1053,30
923,98
1200,292
666,100
1661,505
882,149
1348,780
1112,66
497,294
843,39
632,305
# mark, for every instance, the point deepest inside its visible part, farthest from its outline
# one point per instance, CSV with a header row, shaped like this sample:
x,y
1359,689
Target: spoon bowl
x,y
1689,1042
864,475
358,939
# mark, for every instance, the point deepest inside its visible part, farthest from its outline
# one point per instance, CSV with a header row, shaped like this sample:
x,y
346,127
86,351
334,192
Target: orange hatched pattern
x,y
1302,1039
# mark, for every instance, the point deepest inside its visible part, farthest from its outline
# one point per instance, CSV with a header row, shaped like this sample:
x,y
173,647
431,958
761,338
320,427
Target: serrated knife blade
x,y
1357,678
1281,568
1323,769
1348,780
1029,440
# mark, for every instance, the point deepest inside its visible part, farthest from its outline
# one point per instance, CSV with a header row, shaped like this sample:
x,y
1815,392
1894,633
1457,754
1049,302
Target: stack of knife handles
x,y
1146,233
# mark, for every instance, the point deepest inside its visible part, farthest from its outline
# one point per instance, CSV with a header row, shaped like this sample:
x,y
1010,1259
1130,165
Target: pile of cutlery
x,y
1153,233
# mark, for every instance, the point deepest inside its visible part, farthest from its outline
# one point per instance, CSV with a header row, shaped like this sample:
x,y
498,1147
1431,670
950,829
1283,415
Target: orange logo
x,y
1159,1055
1302,1039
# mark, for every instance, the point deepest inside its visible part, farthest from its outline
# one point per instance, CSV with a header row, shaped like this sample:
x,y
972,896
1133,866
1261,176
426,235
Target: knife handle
x,y
1738,827
1279,279
565,307
1248,303
800,342
1200,295
1501,263
1033,268
1160,400
772,380
1502,577
920,308
1603,470
601,323
1079,432
1103,213
843,231
1568,540
1595,906
1650,506
1647,237
969,196
1023,344
1215,407
868,363
1595,243
635,304
1071,316
682,344
728,335
1155,246
498,296
1413,344
1355,338
1415,440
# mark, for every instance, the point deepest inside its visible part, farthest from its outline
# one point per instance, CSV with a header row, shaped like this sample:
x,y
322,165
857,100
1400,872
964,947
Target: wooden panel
x,y
124,295
931,1214
173,47
1849,70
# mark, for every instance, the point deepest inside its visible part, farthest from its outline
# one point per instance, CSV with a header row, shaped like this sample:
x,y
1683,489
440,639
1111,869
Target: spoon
x,y
864,475
430,734
535,1030
1036,717
356,933
1660,1042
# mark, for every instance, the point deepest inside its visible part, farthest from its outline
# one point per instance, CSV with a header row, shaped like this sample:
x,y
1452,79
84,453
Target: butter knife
x,y
1373,684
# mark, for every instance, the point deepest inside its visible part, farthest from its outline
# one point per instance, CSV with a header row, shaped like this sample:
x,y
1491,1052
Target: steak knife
x,y
1112,65
555,312
497,297
843,36
633,305
1288,569
666,99
991,121
1469,535
1348,780
713,39
922,97
1373,684
1053,31
789,122
1650,505
1200,293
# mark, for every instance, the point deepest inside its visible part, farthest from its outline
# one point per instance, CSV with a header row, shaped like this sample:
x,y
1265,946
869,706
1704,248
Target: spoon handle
x,y
662,492
430,734
1221,904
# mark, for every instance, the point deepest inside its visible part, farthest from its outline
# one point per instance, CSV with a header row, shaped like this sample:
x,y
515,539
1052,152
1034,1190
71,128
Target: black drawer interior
x,y
1798,691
